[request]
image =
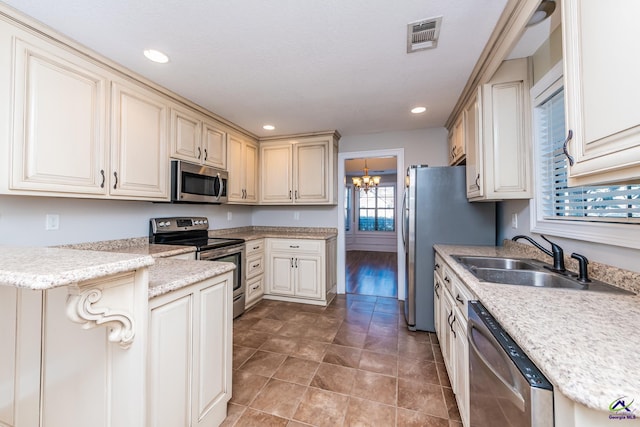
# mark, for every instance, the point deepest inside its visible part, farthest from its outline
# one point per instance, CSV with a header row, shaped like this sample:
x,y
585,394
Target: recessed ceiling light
x,y
418,110
268,127
156,56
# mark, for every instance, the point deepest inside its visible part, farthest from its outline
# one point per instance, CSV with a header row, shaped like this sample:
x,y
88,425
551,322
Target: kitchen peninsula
x,y
116,362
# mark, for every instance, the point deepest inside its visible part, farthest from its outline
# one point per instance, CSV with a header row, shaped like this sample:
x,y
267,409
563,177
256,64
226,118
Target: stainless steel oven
x,y
193,231
505,387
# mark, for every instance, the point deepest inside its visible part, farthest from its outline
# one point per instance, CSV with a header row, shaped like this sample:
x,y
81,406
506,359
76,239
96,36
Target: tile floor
x,y
353,363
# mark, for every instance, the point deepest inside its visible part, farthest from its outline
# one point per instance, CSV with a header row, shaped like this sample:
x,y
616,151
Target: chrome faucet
x,y
556,252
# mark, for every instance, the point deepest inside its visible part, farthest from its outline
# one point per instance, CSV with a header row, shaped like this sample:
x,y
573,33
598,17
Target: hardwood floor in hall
x,y
372,273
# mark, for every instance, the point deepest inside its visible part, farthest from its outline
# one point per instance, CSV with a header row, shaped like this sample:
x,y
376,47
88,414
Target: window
x,y
603,214
615,203
347,207
376,209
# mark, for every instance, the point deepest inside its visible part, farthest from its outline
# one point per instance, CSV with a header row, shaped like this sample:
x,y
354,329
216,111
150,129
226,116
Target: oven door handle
x,y
221,181
514,396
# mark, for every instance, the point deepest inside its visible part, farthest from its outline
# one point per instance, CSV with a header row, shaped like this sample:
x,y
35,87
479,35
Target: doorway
x,y
370,250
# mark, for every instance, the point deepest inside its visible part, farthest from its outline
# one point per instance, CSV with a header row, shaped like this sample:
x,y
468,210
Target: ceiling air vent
x,y
423,34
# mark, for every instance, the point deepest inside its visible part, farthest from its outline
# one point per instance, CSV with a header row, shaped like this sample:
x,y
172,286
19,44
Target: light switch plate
x,y
514,220
52,222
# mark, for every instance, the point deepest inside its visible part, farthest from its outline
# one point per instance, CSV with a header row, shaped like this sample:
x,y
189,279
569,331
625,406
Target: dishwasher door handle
x,y
514,396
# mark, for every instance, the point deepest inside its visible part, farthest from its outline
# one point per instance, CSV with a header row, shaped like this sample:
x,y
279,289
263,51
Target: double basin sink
x,y
528,272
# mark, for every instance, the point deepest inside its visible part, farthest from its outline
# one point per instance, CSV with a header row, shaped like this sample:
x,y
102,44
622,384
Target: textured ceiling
x,y
300,65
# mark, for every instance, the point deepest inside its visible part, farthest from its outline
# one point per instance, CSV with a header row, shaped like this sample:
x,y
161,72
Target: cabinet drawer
x,y
438,267
297,245
255,265
255,290
462,295
254,246
448,276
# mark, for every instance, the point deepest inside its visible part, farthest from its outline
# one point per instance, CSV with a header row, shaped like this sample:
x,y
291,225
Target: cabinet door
x,y
251,172
473,144
456,142
280,280
461,362
185,135
311,172
276,175
308,276
59,122
447,342
235,164
170,356
438,289
214,146
139,151
602,90
212,365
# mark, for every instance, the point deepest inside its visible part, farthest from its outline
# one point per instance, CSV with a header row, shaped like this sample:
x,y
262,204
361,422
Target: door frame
x,y
398,153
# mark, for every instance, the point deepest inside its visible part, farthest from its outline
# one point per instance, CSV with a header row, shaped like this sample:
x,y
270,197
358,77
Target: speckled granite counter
x,y
258,232
136,245
170,274
584,342
46,268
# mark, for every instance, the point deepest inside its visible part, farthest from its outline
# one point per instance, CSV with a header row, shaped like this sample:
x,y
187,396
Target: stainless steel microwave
x,y
193,183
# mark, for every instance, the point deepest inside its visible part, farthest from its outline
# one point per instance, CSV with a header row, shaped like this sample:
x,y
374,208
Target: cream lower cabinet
x,y
497,136
601,91
189,368
297,270
299,170
242,165
254,250
451,297
197,139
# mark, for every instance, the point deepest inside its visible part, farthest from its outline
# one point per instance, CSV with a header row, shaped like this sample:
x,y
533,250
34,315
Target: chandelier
x,y
366,182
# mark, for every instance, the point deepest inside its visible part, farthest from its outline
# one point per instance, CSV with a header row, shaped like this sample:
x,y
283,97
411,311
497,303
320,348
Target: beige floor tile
x,y
422,397
279,398
376,387
381,363
270,326
348,337
263,363
418,370
452,407
249,338
233,414
253,418
381,344
407,418
246,386
297,371
365,413
342,356
241,354
334,378
322,408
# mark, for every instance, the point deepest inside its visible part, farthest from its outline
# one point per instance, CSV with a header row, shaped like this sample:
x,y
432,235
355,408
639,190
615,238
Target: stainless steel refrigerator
x,y
436,210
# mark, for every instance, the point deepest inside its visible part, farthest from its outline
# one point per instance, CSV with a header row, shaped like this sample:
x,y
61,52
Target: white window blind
x,y
615,203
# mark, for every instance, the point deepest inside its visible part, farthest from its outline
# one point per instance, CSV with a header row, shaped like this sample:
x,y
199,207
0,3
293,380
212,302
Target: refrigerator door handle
x,y
404,219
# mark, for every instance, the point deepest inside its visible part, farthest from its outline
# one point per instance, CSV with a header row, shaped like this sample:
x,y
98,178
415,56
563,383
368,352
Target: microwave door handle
x,y
514,396
221,181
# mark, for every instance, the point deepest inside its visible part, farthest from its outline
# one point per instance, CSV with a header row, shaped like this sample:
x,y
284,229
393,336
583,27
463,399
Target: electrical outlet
x,y
296,215
229,216
514,220
52,222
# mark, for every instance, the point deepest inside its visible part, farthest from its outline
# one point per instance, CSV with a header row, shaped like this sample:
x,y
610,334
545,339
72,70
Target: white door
x,y
281,274
308,276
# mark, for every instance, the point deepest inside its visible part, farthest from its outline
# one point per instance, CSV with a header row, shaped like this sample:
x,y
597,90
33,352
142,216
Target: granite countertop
x,y
136,245
584,342
259,232
170,274
46,268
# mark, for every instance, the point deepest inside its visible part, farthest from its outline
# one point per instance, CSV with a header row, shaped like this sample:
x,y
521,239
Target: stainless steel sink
x,y
528,272
500,263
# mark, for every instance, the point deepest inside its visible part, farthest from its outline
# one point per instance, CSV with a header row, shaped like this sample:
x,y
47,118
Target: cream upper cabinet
x,y
299,170
499,136
139,143
197,139
242,165
456,142
474,167
602,90
59,109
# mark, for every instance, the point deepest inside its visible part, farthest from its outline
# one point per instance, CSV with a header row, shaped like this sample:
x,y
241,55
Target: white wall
x,y
606,254
22,219
421,146
285,216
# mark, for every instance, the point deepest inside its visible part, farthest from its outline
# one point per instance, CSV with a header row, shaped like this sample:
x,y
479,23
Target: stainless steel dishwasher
x,y
505,387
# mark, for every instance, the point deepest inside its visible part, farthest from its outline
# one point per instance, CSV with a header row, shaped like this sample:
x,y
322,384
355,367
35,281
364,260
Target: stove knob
x,y
161,224
168,223
198,222
205,221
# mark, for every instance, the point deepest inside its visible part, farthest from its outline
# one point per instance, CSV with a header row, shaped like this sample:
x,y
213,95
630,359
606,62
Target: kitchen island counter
x,y
168,275
583,341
